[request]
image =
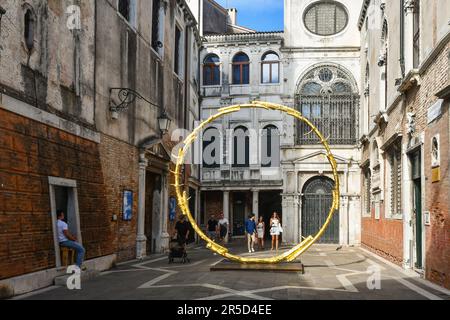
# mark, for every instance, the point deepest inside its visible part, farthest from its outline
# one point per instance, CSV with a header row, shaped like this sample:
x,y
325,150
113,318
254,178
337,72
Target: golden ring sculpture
x,y
183,200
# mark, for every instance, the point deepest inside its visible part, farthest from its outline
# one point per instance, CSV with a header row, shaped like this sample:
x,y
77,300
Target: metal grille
x,y
367,191
334,115
326,18
396,179
416,28
317,201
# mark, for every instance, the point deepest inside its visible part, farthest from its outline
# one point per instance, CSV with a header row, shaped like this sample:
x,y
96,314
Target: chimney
x,y
232,16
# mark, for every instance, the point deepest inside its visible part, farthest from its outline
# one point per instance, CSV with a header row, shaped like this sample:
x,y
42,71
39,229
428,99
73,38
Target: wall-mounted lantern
x,y
164,123
120,100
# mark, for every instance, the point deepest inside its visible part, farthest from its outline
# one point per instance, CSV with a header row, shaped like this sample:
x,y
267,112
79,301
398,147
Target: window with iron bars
x,y
328,100
416,27
395,163
367,192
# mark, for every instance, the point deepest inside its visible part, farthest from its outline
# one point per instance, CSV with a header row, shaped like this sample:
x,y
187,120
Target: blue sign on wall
x,y
127,205
172,208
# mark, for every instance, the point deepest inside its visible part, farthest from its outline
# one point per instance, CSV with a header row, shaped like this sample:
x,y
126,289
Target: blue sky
x,y
261,15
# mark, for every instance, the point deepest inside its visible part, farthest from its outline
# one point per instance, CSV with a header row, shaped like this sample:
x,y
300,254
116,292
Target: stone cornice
x,y
245,37
321,49
444,93
392,139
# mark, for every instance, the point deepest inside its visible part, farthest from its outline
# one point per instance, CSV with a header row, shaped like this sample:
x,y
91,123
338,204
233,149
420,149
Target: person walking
x,y
182,231
250,229
261,230
212,228
275,230
222,228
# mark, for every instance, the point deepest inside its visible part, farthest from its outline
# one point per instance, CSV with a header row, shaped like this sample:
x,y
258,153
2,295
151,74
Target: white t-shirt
x,y
223,221
61,227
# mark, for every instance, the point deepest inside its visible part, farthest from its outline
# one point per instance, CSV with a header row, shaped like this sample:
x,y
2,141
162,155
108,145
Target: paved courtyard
x,y
329,274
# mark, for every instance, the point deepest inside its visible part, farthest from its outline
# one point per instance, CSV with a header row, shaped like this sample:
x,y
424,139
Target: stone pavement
x,y
329,274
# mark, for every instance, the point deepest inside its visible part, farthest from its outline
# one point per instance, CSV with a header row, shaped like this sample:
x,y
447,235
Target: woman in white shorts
x,y
275,230
260,229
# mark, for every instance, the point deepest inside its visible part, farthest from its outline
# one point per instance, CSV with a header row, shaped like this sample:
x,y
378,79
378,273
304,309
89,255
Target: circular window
x,y
326,18
325,75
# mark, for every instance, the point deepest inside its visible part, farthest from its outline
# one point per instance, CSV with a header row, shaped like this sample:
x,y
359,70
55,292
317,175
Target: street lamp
x,y
164,123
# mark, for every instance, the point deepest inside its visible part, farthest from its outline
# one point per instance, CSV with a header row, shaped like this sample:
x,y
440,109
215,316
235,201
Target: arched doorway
x,y
316,203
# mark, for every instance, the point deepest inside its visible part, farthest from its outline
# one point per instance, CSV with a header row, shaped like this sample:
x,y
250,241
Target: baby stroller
x,y
177,251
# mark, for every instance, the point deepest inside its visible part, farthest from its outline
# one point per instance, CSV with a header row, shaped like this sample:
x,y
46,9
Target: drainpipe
x,y
348,203
95,61
186,95
402,38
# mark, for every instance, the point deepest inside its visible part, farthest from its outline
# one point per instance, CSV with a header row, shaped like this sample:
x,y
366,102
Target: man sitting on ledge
x,y
66,239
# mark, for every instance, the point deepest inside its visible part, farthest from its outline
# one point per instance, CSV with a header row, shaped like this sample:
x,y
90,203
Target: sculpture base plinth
x,y
284,267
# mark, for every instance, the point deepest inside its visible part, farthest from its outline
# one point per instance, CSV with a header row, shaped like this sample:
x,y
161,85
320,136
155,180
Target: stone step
x,y
87,275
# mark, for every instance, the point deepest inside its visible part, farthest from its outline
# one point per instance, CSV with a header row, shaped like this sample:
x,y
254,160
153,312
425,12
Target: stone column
x,y
164,244
298,211
141,239
288,219
226,209
255,206
343,221
409,7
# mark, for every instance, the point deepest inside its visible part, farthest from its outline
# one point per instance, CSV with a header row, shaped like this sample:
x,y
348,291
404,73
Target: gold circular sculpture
x,y
183,200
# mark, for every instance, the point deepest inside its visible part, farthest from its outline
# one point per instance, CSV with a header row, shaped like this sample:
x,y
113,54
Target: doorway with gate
x,y
317,200
416,169
153,207
239,213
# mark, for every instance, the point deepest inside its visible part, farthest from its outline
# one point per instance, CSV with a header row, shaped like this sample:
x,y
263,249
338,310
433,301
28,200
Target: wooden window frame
x,y
270,63
241,65
212,67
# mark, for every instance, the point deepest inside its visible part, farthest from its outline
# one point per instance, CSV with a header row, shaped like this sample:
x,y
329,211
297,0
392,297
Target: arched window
x,y
29,27
270,68
211,148
367,76
416,30
328,97
211,70
367,111
124,9
241,147
376,156
241,69
367,192
270,147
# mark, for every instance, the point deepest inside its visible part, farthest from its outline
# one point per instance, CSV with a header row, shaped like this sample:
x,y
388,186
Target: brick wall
x,y
120,164
383,236
437,236
213,203
29,153
437,202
